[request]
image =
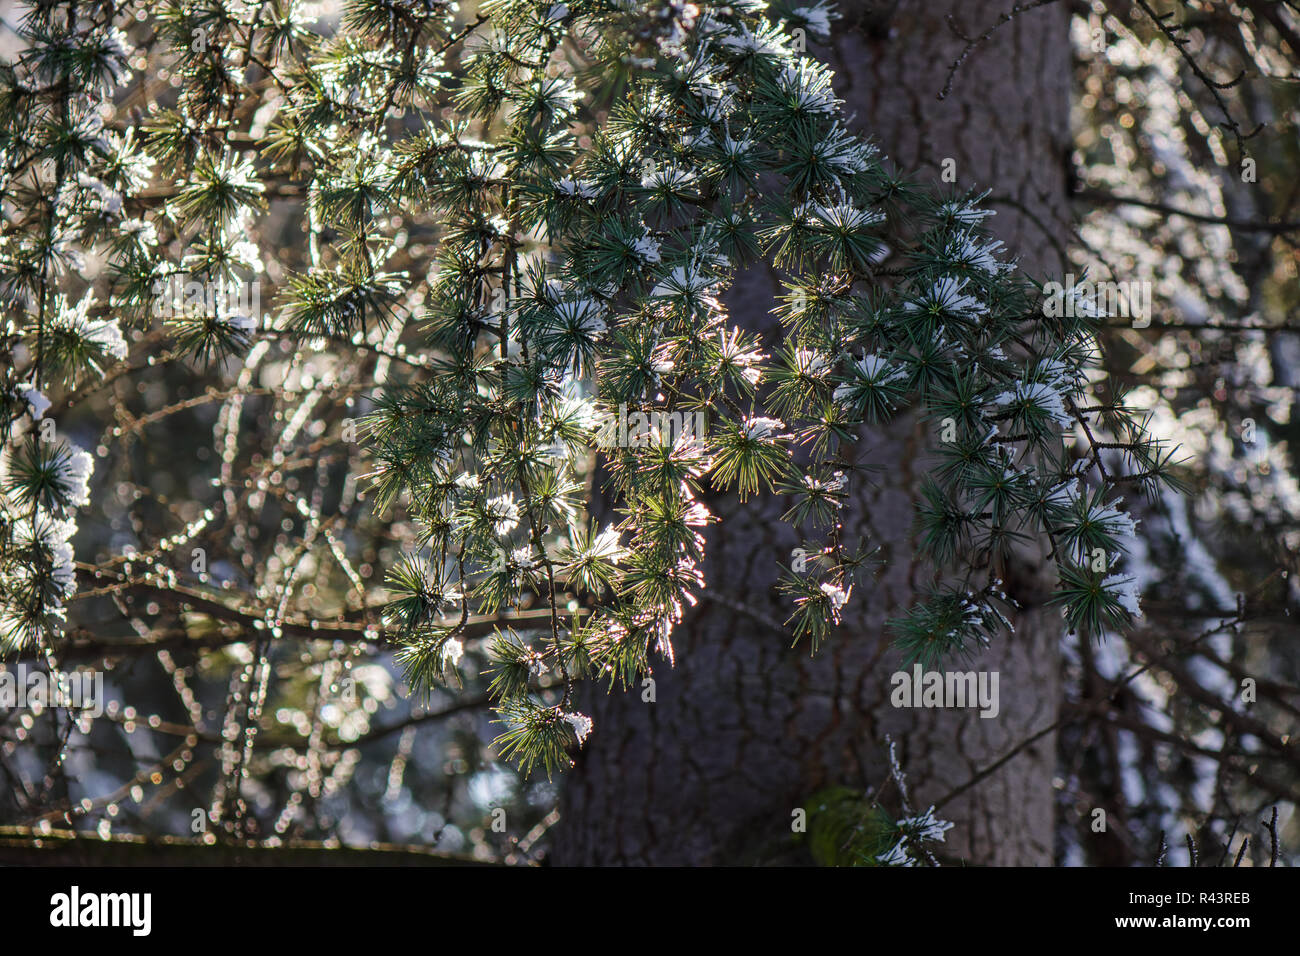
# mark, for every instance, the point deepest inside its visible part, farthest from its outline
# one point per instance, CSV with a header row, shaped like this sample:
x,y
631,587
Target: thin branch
x,y
1245,225
34,846
973,42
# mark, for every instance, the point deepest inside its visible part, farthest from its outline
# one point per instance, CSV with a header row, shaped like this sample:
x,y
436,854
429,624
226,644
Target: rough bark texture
x,y
745,729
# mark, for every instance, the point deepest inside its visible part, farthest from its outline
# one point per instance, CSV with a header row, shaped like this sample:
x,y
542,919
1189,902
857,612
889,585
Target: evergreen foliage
x,y
595,175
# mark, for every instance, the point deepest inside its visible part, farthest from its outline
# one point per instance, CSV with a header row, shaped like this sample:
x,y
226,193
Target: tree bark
x,y
745,729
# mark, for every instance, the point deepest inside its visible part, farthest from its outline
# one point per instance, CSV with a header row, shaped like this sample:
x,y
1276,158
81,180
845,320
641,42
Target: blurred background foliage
x,y
1184,168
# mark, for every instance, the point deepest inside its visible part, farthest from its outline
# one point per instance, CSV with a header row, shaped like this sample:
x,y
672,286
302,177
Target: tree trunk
x,y
745,729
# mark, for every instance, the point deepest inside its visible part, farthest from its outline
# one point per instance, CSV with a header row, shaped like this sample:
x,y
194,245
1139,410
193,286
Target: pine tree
x,y
493,416
594,176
